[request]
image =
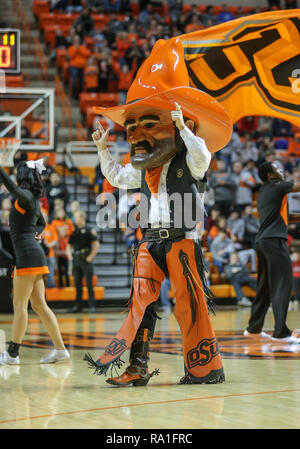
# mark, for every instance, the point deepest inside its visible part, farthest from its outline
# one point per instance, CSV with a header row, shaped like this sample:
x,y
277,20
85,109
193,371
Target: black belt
x,y
163,234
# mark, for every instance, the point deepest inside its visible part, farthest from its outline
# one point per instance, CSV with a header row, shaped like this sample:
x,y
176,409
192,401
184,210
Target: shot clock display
x,y
10,50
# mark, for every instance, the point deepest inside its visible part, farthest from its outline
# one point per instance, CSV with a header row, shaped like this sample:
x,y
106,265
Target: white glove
x,y
100,136
177,117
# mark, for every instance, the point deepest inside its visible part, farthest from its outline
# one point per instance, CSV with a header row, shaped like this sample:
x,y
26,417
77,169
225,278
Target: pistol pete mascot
x,y
172,130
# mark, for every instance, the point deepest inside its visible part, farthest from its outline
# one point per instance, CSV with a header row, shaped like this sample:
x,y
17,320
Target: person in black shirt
x,y
85,246
275,276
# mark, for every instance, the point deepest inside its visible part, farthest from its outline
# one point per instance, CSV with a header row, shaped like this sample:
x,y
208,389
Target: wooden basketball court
x,y
262,388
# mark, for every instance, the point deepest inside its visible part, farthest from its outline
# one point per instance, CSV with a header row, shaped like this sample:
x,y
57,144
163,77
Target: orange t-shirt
x,y
78,56
91,77
67,223
50,235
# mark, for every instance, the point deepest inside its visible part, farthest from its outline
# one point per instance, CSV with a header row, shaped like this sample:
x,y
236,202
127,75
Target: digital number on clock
x,y
10,50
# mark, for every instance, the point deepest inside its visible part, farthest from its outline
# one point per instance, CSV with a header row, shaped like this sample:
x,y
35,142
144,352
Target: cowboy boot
x,y
137,373
186,379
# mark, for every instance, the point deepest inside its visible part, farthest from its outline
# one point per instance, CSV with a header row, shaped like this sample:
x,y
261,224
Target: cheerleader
x,y
26,224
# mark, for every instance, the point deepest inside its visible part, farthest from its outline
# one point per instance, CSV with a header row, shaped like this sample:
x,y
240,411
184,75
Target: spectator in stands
x,y
125,78
195,25
238,275
232,152
251,168
225,15
251,226
84,244
247,125
47,172
79,56
212,218
84,25
291,164
147,15
224,187
64,228
291,4
74,6
236,226
115,25
272,3
50,241
265,145
91,75
112,6
244,185
105,72
221,223
188,18
95,6
249,149
74,207
221,247
58,5
56,190
281,128
60,42
134,53
294,197
208,17
175,10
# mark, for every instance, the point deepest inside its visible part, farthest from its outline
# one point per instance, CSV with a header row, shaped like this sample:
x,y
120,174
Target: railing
x,y
40,60
23,24
65,105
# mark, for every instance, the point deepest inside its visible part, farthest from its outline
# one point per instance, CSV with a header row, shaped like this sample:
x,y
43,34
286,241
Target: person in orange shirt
x,y
64,228
78,55
125,78
91,73
50,241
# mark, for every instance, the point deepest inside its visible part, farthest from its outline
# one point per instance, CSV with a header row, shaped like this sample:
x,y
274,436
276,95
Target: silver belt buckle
x,y
162,235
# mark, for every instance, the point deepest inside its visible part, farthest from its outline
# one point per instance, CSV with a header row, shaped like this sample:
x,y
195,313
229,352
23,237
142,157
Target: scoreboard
x,y
10,50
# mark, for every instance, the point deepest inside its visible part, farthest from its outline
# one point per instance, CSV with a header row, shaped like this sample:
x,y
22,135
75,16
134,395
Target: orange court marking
x,y
148,403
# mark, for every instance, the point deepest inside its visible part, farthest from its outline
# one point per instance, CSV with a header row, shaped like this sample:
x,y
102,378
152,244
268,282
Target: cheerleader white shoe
x,y
56,355
6,359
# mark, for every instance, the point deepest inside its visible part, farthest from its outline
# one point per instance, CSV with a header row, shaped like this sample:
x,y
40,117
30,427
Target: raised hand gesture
x,y
100,137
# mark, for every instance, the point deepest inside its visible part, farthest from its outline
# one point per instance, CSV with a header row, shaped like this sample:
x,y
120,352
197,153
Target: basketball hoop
x,y
8,148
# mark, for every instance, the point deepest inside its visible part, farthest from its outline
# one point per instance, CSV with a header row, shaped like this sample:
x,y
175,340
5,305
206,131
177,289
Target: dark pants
x,y
274,286
225,207
83,269
238,282
63,265
76,75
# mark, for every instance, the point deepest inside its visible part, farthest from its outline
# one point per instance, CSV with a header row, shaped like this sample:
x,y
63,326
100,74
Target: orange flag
x,y
250,65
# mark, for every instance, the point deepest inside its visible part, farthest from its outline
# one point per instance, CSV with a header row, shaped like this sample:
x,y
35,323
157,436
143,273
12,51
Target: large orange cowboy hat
x,y
163,80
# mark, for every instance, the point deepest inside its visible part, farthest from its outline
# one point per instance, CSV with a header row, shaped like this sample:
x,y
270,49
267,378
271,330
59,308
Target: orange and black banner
x,y
250,65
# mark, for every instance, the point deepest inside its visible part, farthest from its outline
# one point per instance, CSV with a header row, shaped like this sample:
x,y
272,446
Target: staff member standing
x,y
275,275
85,246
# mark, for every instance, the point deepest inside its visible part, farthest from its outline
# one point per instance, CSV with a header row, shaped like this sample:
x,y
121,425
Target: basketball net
x,y
8,148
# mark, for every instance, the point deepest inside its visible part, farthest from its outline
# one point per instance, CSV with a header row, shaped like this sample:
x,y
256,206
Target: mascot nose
x,y
137,135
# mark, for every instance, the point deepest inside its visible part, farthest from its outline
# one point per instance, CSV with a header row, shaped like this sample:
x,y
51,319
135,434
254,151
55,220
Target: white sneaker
x,y
245,302
290,339
6,359
259,335
56,355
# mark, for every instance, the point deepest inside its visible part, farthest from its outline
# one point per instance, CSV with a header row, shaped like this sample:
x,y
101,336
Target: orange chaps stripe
x,y
202,358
